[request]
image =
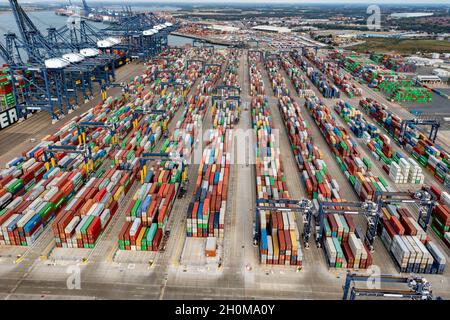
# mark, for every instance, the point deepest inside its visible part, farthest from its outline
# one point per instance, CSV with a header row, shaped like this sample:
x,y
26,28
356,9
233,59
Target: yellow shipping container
x,y
276,248
294,240
139,238
386,213
136,194
160,176
359,176
320,153
118,193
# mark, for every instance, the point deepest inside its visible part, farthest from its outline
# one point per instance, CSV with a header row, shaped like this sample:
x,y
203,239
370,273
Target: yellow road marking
x,y
46,251
111,253
18,260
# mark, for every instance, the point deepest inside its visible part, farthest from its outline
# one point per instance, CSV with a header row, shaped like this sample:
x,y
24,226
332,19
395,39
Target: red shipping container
x,y
157,239
396,224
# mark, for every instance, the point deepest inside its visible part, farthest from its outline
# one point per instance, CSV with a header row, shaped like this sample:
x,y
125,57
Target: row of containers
x,y
441,215
397,85
33,192
326,88
149,210
205,215
416,143
147,130
343,248
298,80
394,62
226,101
279,236
422,150
397,224
78,226
6,90
401,169
333,72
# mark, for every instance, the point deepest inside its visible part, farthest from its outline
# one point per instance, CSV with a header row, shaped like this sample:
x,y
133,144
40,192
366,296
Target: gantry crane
x,y
164,156
303,206
111,126
53,72
84,150
417,287
99,68
368,209
423,198
200,43
227,90
195,61
434,124
144,34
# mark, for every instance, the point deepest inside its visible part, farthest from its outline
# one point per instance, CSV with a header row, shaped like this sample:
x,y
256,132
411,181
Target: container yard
x,y
212,172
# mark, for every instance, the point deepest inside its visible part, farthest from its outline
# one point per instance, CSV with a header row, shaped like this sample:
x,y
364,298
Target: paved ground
x,y
45,272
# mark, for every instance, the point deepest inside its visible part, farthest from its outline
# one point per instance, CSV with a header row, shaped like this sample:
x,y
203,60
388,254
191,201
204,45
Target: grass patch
x,y
402,46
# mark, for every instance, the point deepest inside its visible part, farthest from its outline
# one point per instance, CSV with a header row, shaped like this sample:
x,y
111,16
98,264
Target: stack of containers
x,y
28,190
149,211
278,82
182,139
256,79
206,212
400,168
372,73
411,255
186,129
298,80
87,215
424,151
331,70
147,132
279,240
318,183
343,248
397,85
441,215
408,243
27,206
346,151
327,89
6,90
225,112
26,187
393,62
231,76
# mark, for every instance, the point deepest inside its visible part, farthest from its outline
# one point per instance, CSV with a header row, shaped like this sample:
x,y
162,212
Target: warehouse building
x,y
224,28
272,29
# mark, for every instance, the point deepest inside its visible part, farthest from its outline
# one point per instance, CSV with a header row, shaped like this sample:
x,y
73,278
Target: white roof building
x,y
225,28
272,29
